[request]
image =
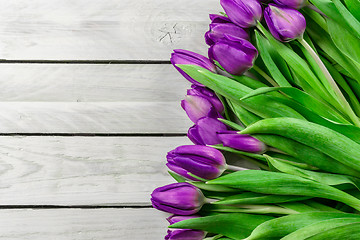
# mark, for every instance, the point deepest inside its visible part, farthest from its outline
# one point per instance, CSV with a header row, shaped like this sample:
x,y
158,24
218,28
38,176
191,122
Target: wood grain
x,y
93,117
102,29
91,83
72,171
82,224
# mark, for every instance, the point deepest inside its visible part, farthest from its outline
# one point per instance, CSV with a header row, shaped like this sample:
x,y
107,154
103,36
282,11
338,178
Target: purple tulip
x,y
178,198
285,24
202,161
201,102
242,142
219,30
244,13
204,132
208,94
183,234
235,55
296,4
180,56
196,107
215,18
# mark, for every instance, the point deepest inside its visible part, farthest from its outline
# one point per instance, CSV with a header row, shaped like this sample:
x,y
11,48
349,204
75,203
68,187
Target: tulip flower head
x,y
204,132
242,142
183,234
202,161
244,13
180,56
296,4
215,18
219,30
178,198
235,55
208,94
201,102
285,24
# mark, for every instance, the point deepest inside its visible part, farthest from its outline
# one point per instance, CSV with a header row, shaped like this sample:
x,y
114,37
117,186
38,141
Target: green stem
x,y
264,75
235,168
342,100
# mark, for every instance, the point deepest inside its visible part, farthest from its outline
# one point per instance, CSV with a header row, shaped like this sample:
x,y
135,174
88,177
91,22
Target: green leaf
x,y
347,130
344,85
344,40
353,6
324,41
257,198
336,11
325,178
350,20
246,117
304,99
233,225
350,232
319,227
330,142
298,64
280,227
283,184
213,188
262,46
177,177
256,209
262,106
298,207
231,124
306,154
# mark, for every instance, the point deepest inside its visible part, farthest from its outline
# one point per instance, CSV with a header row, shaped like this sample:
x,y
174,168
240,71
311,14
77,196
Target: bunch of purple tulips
x,y
231,54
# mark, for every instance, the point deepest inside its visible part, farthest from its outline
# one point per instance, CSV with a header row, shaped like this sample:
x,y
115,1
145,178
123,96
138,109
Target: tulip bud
x,y
183,234
219,30
196,107
244,13
204,132
296,4
208,94
285,24
202,161
178,198
235,55
215,18
180,56
201,102
242,142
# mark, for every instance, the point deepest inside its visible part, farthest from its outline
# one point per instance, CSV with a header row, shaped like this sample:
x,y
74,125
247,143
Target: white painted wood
x,y
83,170
93,117
82,224
91,83
102,29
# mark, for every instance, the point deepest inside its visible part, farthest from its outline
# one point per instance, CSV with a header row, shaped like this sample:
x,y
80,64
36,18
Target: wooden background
x,y
89,106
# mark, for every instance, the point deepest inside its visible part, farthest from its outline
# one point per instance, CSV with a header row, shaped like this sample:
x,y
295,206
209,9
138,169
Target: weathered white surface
x,y
93,117
83,170
82,224
91,83
102,29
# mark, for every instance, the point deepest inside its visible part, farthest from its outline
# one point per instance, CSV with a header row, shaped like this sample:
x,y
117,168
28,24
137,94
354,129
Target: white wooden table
x,y
89,106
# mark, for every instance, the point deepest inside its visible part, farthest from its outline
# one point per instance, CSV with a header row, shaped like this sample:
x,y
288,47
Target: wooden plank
x,y
102,29
82,224
72,171
91,83
93,117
